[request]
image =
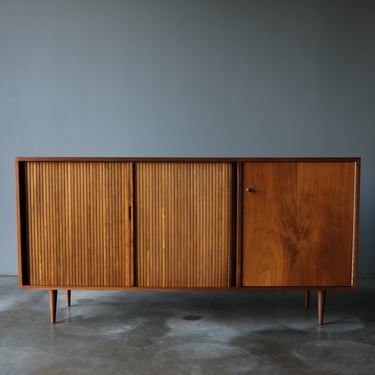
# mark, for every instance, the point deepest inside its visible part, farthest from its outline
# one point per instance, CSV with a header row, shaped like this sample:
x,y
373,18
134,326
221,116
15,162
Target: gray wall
x,y
186,78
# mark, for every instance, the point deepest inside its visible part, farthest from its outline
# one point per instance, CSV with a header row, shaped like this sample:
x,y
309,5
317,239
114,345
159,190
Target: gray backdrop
x,y
186,78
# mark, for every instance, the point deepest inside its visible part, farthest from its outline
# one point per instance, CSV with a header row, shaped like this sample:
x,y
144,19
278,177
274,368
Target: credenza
x,y
188,224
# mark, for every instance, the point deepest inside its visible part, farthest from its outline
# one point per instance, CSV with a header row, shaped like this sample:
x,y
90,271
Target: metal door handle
x,y
250,190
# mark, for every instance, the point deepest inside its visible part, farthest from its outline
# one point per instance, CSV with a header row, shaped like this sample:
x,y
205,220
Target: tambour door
x,y
184,224
299,223
76,227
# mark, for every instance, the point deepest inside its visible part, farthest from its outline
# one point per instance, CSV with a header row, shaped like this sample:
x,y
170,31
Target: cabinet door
x,y
298,223
184,224
77,232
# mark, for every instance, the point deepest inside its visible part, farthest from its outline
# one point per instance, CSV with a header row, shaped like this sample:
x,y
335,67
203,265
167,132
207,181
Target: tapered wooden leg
x,y
321,305
68,297
307,299
52,304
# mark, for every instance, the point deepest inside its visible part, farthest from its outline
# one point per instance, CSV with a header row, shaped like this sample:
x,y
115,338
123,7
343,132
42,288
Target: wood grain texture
x,y
184,224
299,224
238,226
78,227
74,227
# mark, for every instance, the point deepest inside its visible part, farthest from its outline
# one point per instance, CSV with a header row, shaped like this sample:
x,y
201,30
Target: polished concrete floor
x,y
186,333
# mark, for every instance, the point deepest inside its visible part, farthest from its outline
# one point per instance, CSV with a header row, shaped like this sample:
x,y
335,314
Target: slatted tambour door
x,y
184,224
299,223
78,224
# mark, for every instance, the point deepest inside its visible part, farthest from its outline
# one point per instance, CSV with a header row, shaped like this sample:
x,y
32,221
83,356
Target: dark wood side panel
x,y
21,212
184,224
78,228
299,223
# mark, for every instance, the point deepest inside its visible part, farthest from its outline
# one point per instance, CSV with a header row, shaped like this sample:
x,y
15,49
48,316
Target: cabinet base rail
x,y
321,297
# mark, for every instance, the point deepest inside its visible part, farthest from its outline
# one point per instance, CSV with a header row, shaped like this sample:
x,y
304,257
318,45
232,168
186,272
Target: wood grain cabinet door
x,y
184,224
299,223
76,231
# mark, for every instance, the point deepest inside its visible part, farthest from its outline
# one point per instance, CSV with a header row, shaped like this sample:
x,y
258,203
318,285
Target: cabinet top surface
x,y
188,159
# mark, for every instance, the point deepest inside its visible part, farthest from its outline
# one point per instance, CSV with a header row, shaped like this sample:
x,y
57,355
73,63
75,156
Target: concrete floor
x,y
186,333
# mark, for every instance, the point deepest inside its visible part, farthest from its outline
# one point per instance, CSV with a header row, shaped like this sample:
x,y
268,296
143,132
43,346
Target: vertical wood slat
x,y
184,228
79,231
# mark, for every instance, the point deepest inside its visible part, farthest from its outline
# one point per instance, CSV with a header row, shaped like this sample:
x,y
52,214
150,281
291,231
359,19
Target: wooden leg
x,y
307,299
52,304
321,305
68,297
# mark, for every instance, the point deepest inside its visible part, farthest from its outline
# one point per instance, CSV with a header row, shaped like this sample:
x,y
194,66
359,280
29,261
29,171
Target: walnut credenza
x,y
188,223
